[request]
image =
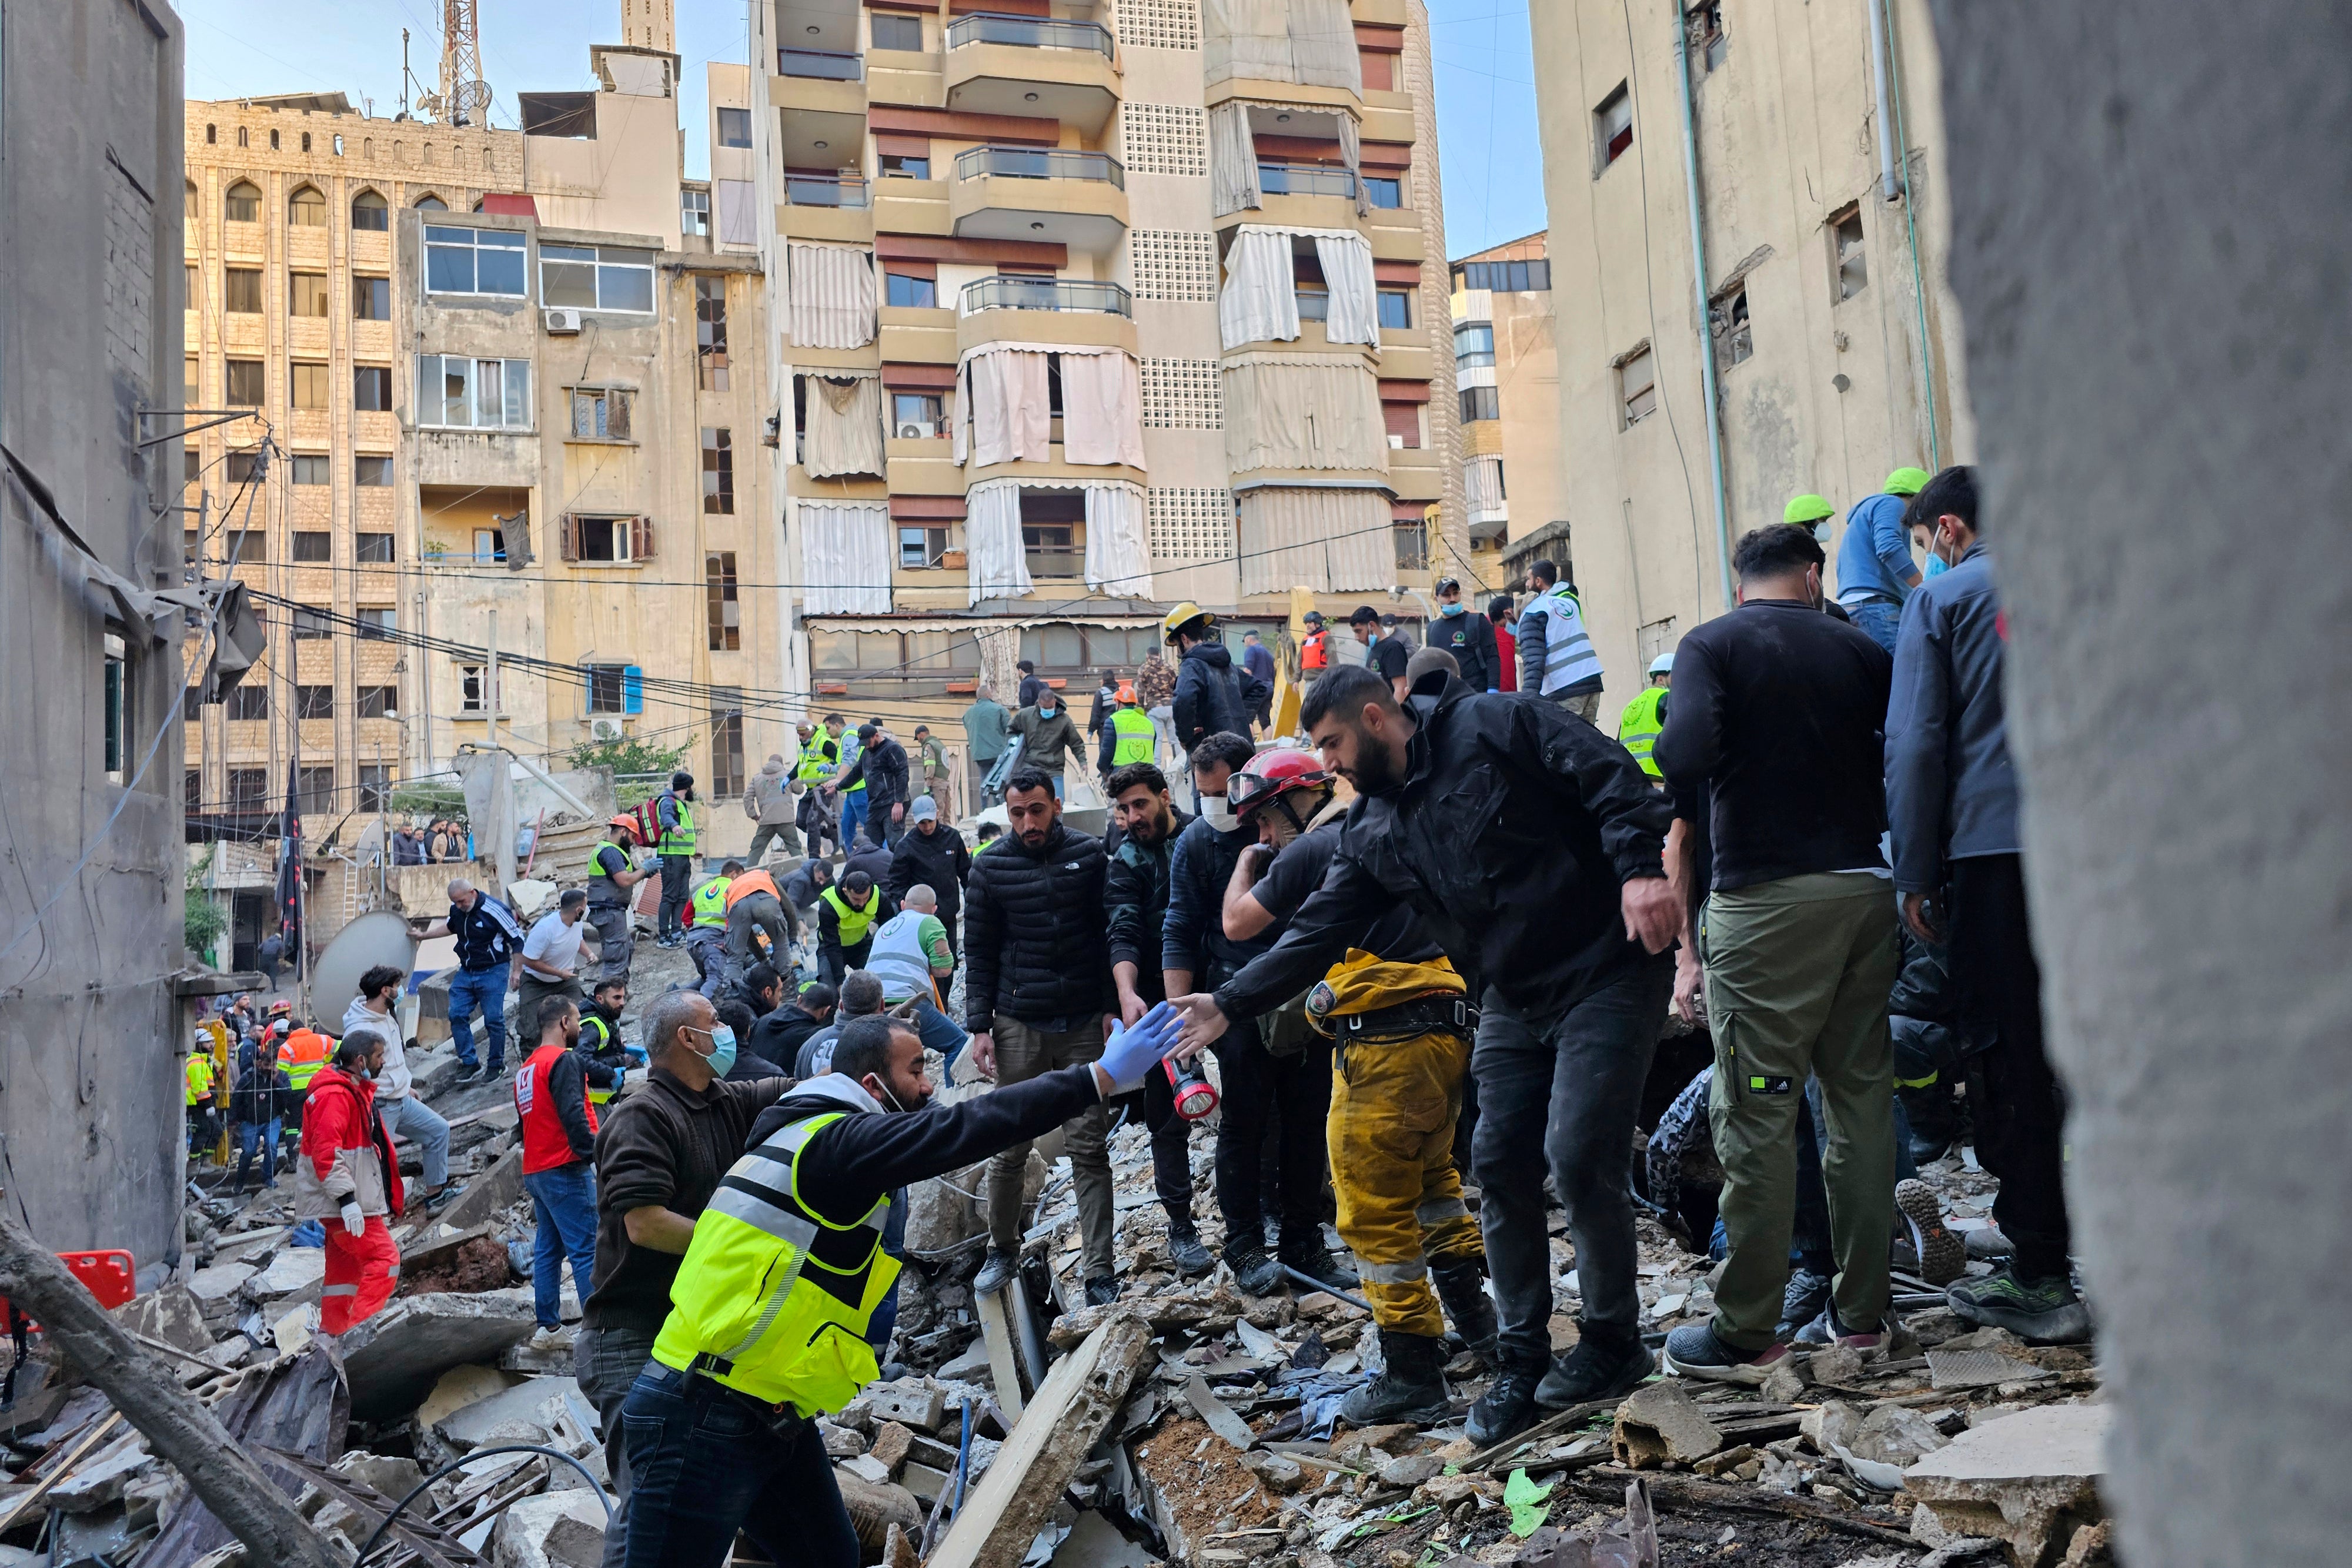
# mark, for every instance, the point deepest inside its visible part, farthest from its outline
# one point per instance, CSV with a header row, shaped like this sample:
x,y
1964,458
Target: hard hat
x,y
1807,510
1127,691
624,822
1183,615
1664,664
1313,618
1270,774
1906,481
280,1008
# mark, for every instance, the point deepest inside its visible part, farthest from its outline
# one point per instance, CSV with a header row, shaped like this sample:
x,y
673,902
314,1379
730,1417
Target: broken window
x,y
1727,323
710,332
724,609
1850,266
118,707
1637,385
1707,44
599,413
471,681
475,394
1613,128
717,472
694,213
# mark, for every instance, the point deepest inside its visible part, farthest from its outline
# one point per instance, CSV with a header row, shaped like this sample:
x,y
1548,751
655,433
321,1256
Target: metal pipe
x,y
1888,189
1312,1283
1698,281
1918,275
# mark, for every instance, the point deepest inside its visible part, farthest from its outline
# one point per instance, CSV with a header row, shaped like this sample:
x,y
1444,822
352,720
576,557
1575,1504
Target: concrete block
x,y
2031,1480
1659,1424
470,1426
291,1330
488,1193
288,1273
865,1467
390,1475
840,1442
910,1402
889,1446
394,1358
1894,1435
214,1286
98,1485
526,1532
172,1315
459,1388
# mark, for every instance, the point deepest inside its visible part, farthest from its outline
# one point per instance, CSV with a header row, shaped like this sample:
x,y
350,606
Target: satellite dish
x,y
380,937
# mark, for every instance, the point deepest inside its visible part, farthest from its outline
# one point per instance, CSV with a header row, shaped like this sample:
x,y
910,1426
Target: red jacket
x,y
1507,646
347,1156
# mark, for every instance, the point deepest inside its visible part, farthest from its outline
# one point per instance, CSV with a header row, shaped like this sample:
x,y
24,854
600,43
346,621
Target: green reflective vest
x,y
855,922
773,1300
679,840
1638,726
710,900
814,764
1132,728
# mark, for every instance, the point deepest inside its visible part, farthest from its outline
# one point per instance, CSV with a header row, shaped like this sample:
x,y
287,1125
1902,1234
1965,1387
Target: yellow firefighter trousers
x,y
1391,1136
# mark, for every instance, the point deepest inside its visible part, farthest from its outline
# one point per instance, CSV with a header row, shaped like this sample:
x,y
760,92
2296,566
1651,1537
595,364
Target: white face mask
x,y
1221,815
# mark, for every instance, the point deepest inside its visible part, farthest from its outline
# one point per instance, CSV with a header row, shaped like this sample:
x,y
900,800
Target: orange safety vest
x,y
1312,654
304,1052
750,882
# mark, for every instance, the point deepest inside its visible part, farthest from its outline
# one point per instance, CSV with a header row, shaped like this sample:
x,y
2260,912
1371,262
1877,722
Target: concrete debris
x,y
2030,1480
1660,1422
394,1358
558,1530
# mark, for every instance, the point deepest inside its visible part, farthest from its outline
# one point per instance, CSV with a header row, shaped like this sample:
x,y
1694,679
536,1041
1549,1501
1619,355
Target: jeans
x,y
1882,618
532,993
411,1118
939,1032
263,1135
1291,1096
1560,1094
706,1462
676,872
605,1363
853,817
563,1207
885,1312
485,989
705,944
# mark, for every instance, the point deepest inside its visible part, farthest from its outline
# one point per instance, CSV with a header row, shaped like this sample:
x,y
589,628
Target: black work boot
x,y
1184,1248
1506,1408
1255,1273
1411,1386
1606,1362
1315,1261
995,1272
1462,1289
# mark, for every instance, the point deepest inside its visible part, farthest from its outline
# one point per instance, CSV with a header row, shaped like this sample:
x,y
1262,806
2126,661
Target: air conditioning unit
x,y
605,729
913,431
563,322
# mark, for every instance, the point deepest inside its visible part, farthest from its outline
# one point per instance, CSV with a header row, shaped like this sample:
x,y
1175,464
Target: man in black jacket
x,y
1212,695
1039,998
931,853
1469,637
881,765
1532,847
1136,889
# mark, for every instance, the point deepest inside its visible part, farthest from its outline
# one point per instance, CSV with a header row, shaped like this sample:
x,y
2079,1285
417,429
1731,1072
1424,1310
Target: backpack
x,y
648,818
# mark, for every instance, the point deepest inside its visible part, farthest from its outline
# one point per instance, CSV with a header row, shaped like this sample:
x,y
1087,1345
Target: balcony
x,y
1032,65
826,191
1009,293
1009,308
820,97
826,207
1306,180
1076,199
822,65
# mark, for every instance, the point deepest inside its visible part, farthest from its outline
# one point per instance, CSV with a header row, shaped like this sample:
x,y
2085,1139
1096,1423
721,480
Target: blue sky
x,y
237,48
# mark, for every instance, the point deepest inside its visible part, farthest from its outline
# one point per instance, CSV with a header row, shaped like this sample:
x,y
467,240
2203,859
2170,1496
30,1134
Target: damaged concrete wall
x,y
89,332
2151,258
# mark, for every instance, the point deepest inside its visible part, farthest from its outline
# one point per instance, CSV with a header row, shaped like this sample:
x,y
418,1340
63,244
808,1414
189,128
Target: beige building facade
x,y
1507,375
1833,338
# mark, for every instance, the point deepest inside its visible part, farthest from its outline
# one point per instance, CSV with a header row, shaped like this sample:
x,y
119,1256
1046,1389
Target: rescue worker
x,y
820,756
611,874
1129,738
258,1107
756,911
1557,660
608,1058
1645,715
1469,638
1876,572
303,1053
706,927
845,918
1401,1023
850,799
723,1429
1314,648
203,1124
348,1173
1212,695
558,1163
674,813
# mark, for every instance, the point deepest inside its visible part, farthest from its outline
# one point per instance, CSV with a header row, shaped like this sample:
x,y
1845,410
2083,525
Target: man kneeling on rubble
x,y
772,1306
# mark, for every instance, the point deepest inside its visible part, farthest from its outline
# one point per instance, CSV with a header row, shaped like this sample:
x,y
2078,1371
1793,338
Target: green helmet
x,y
1806,511
1906,481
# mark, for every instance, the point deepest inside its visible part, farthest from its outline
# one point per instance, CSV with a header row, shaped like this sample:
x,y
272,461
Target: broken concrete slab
x,y
1659,1424
910,1402
387,1473
215,1286
1410,1469
1213,1410
470,1426
459,1388
524,1534
171,1315
291,1330
1895,1435
488,1193
394,1358
2030,1480
1830,1424
100,1485
294,1270
890,1448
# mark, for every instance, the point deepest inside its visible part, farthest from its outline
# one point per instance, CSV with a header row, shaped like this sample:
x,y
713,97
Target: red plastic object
x,y
110,1274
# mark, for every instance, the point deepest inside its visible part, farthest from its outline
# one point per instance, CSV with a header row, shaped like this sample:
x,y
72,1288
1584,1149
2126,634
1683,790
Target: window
x,y
190,298
244,202
1379,70
1395,308
735,126
1412,545
117,687
1480,403
248,789
309,468
273,141
314,788
892,665
191,545
726,741
211,135
612,541
372,549
242,546
306,142
1706,40
905,165
377,621
1054,549
917,417
250,701
920,548
371,388
915,293
596,277
312,625
306,209
192,705
1504,276
1314,301
306,293
694,213
710,332
191,464
370,211
247,381
472,680
243,468
472,261
431,204
723,610
1848,263
1728,319
1384,190
372,474
193,793
1637,385
608,686
894,33
599,413
244,137
242,295
370,298
308,384
1613,128
376,778
489,544
1402,420
314,702
378,702
718,473
476,394
312,545
1473,344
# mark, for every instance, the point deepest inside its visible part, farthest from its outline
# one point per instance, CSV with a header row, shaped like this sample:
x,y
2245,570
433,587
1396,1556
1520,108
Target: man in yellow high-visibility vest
x,y
1645,715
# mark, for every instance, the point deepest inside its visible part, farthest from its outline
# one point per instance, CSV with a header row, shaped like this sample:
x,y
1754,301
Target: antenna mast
x,y
465,95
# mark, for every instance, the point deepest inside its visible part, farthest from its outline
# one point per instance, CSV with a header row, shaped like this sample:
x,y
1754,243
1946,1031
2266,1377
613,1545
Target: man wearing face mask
x,y
349,1177
1469,638
1045,734
558,1150
1874,572
674,811
722,1423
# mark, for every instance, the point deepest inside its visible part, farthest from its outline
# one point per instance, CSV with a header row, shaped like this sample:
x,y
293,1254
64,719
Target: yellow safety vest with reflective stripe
x,y
200,1077
773,1300
1638,726
855,922
1132,726
710,901
814,764
589,1046
679,840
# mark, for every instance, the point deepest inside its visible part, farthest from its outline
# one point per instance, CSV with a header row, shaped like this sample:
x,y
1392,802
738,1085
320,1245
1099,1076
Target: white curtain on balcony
x,y
1102,408
1006,414
1347,273
996,565
845,557
1119,548
738,214
1259,303
845,426
1233,159
1351,153
1310,41
1304,412
1482,483
1323,46
832,296
1333,542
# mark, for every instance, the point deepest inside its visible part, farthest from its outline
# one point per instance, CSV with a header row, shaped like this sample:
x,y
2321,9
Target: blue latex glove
x,y
1136,1048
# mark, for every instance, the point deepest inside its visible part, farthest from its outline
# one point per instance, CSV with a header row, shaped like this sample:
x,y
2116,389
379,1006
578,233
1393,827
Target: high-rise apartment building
x,y
1506,377
1081,309
1827,351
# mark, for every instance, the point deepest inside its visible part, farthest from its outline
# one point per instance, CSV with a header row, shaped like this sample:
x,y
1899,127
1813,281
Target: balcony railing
x,y
826,191
1009,293
1305,179
1039,164
1029,33
1057,560
824,64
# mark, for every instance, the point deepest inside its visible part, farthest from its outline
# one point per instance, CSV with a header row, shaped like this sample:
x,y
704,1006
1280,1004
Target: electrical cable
x,y
595,1488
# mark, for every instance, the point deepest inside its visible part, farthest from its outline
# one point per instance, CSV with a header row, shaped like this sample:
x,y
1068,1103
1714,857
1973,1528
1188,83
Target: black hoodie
x,y
1212,695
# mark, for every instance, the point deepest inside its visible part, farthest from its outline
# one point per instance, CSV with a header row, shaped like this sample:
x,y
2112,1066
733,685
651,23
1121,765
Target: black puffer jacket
x,y
1035,943
1136,888
1212,695
939,861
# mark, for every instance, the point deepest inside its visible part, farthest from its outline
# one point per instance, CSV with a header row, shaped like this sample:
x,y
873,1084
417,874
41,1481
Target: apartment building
x,y
1816,343
1507,375
1083,308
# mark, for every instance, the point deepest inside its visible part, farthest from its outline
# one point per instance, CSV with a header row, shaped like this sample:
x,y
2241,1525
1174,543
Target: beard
x,y
1372,772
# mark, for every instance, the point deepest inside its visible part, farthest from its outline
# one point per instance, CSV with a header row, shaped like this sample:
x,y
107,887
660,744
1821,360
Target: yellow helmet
x,y
1185,615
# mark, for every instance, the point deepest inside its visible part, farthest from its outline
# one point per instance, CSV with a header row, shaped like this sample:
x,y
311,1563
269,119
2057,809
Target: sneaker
x,y
1826,1329
1102,1292
1807,1295
1986,1244
435,1202
1317,1263
1943,1255
1506,1408
1601,1366
1411,1386
1185,1250
1255,1273
550,1337
2040,1312
467,1072
1693,1350
995,1270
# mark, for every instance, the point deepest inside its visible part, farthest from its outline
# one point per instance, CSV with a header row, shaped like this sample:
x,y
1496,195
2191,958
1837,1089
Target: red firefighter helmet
x,y
1271,774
